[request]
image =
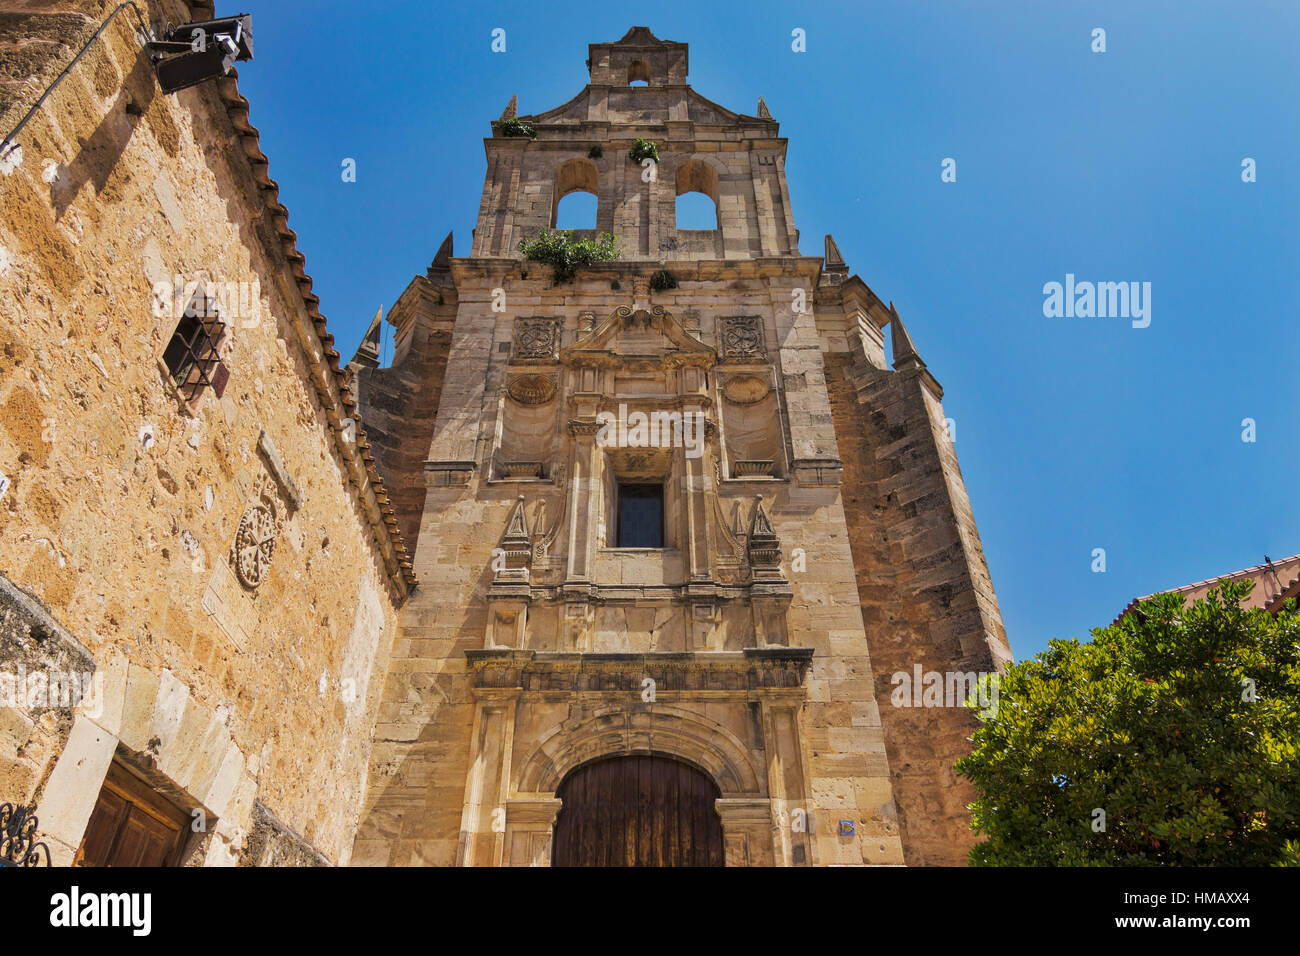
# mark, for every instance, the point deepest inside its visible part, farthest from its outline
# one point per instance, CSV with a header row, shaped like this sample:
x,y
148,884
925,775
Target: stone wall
x,y
924,587
271,843
122,501
400,402
46,673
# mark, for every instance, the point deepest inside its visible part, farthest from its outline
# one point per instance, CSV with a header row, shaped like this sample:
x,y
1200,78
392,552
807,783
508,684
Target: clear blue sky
x,y
1073,433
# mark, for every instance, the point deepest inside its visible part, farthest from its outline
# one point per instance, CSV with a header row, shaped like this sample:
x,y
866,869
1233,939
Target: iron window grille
x,y
191,356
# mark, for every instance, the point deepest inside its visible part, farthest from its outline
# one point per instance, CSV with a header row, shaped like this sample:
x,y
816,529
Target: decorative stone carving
x,y
255,538
516,545
758,668
522,469
742,337
531,389
764,545
536,338
275,495
745,389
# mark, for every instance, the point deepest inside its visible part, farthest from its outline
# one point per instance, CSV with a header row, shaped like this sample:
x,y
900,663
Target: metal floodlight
x,y
193,52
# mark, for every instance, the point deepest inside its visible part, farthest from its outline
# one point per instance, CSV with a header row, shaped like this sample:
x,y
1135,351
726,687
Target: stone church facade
x,y
684,528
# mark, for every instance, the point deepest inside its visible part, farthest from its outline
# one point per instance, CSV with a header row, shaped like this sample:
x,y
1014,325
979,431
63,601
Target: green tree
x,y
1181,724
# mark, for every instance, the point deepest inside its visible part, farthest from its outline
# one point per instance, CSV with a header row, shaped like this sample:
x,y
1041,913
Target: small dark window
x,y
640,516
191,356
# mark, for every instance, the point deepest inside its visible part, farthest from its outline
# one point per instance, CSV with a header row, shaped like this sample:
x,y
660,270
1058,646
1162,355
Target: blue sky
x,y
1073,433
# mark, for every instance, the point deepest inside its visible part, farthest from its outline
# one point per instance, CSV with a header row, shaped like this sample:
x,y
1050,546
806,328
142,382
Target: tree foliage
x,y
1181,724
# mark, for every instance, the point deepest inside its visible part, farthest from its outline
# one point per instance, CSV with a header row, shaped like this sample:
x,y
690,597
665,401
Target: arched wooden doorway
x,y
641,810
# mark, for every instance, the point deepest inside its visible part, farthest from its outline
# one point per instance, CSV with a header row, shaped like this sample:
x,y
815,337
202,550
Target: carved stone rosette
x,y
533,390
259,527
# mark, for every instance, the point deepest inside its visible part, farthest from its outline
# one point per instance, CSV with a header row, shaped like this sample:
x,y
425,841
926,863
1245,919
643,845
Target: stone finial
x,y
367,355
905,354
764,546
517,526
512,108
833,260
516,548
763,111
442,259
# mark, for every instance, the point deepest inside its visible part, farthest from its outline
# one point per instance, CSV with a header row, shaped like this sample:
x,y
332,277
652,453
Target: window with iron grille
x,y
191,356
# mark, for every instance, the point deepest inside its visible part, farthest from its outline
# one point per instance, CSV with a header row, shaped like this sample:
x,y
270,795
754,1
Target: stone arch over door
x,y
676,733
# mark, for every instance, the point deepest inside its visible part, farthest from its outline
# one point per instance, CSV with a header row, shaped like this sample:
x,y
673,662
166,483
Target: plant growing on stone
x,y
566,254
643,149
663,279
595,152
513,127
1170,738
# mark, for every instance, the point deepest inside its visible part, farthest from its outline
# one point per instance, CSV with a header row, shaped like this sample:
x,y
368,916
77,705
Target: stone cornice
x,y
751,670
497,268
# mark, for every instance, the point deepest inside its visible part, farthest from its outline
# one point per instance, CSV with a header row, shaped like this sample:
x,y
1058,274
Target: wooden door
x,y
637,811
132,825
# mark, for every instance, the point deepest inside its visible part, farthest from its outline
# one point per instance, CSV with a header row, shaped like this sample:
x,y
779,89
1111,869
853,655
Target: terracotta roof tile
x,y
237,108
1265,595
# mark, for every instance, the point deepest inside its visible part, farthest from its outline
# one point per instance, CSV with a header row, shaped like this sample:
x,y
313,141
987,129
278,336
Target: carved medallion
x,y
536,338
531,389
745,390
255,539
742,337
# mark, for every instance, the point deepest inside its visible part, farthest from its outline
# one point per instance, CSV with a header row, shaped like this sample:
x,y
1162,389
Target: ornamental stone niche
x,y
751,426
528,428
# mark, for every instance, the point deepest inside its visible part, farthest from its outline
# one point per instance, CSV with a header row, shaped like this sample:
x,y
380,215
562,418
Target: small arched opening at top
x,y
697,195
576,190
638,73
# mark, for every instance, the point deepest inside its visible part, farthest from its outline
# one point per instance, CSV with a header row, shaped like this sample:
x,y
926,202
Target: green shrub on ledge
x,y
643,149
567,255
663,279
513,127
